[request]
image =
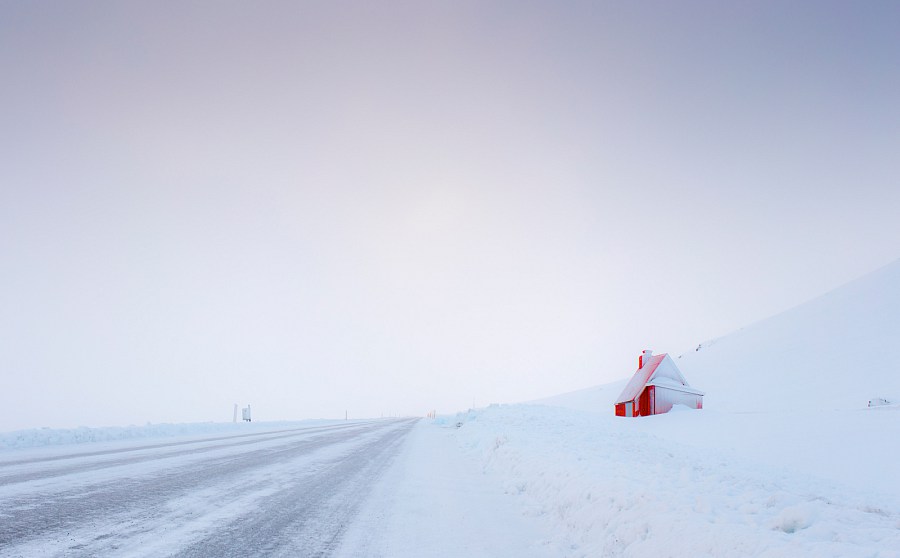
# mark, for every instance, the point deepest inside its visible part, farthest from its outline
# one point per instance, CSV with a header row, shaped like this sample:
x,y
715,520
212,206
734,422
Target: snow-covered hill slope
x,y
833,352
792,391
592,399
786,459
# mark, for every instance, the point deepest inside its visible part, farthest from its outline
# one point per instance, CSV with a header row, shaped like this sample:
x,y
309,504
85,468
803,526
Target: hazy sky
x,y
393,207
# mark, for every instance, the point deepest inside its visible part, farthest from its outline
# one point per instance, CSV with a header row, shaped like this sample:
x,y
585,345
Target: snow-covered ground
x,y
696,482
437,502
787,458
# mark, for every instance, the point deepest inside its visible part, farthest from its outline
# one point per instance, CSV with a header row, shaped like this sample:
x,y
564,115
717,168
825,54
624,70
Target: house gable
x,y
661,371
640,379
655,388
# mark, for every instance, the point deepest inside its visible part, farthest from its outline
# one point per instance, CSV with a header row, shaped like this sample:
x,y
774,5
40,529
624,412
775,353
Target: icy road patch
x,y
281,493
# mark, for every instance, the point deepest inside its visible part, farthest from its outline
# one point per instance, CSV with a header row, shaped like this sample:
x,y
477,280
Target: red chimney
x,y
644,358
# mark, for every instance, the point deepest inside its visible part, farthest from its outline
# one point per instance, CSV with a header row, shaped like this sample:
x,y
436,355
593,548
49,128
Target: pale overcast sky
x,y
393,207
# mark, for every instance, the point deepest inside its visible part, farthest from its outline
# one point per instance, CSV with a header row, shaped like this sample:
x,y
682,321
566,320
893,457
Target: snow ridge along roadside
x,y
610,488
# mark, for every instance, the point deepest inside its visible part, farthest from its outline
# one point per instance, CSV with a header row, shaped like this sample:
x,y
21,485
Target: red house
x,y
655,388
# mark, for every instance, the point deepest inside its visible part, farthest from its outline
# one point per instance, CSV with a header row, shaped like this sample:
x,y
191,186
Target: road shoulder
x,y
436,501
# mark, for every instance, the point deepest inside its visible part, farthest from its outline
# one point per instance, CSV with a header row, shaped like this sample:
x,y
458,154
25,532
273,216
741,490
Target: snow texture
x,y
787,458
685,483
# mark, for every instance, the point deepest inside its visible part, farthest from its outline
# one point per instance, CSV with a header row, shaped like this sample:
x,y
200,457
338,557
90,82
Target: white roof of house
x,y
659,370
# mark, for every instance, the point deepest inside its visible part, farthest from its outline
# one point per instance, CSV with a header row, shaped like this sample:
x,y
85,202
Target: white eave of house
x,y
674,386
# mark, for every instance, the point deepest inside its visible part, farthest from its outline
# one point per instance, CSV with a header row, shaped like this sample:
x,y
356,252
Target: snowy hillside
x,y
598,398
834,352
792,391
786,459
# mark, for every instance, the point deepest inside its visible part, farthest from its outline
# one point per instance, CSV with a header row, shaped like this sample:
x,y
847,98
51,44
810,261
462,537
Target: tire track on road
x,y
143,499
94,465
309,518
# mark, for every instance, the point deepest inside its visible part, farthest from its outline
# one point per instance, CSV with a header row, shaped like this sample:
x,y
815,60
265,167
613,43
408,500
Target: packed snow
x,y
39,437
436,502
285,492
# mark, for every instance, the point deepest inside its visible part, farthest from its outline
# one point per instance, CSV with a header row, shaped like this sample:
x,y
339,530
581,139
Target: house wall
x,y
667,398
656,400
622,409
646,402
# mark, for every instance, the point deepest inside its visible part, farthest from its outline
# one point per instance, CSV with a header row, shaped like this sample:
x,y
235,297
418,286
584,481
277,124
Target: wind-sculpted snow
x,y
617,487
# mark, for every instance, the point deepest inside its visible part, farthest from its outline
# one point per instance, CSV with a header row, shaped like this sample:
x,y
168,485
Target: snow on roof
x,y
666,375
640,379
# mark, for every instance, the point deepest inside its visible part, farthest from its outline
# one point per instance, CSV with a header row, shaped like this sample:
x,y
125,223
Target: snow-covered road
x,y
285,492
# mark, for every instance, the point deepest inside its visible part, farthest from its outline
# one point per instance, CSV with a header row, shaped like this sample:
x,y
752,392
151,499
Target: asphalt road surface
x,y
284,493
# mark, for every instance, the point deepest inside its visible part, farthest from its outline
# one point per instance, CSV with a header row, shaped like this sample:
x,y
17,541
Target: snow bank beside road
x,y
436,503
613,487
